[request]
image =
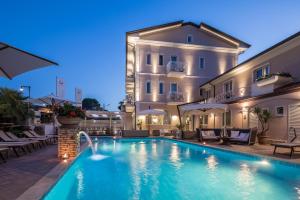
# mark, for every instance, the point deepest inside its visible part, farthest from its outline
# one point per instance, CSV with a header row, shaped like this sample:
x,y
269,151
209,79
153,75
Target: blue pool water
x,y
163,169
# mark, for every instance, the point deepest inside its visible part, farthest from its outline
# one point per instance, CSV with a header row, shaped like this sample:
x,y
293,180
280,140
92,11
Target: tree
x,y
263,117
121,103
12,107
91,104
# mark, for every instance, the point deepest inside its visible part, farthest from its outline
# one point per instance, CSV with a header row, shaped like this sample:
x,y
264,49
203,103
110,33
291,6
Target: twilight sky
x,y
87,38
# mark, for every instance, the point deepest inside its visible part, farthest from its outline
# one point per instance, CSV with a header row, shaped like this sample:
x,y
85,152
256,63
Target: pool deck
x,y
262,150
18,174
31,175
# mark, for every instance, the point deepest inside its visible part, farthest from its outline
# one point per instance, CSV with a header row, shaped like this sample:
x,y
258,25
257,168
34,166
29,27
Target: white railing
x,y
175,97
233,95
175,66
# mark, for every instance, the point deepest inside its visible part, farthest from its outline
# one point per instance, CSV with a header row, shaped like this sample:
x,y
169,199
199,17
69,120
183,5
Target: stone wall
x,y
68,142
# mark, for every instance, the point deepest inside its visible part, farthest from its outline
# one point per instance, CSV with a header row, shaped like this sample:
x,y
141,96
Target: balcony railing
x,y
233,95
175,98
175,69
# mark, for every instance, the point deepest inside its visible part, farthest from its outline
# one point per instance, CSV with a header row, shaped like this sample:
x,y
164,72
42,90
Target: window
x,y
161,87
228,90
201,62
228,87
148,87
279,111
261,72
148,59
201,92
228,118
173,58
189,39
204,119
173,88
161,60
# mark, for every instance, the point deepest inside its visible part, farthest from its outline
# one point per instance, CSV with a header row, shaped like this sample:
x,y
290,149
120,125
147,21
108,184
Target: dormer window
x,y
261,72
189,39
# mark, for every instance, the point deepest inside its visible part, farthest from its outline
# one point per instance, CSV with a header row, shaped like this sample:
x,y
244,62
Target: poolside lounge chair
x,y
242,136
42,139
209,134
15,138
4,150
15,146
7,139
290,144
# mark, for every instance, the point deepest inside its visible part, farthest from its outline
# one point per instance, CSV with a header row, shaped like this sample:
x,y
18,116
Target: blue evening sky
x,y
87,38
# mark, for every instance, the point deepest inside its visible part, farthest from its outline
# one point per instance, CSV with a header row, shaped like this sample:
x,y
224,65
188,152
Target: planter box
x,y
71,122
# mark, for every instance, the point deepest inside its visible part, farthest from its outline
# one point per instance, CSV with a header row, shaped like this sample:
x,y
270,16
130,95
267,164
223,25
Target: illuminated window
x,y
148,59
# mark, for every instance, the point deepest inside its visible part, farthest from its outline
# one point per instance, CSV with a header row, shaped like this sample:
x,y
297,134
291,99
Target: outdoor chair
x,y
156,133
7,139
290,144
52,138
209,135
43,140
242,136
33,140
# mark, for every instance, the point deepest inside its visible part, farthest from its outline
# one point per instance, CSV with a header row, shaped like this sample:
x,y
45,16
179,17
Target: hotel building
x,y
269,80
166,65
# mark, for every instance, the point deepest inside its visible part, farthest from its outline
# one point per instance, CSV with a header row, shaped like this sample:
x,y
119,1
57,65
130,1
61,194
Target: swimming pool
x,y
164,169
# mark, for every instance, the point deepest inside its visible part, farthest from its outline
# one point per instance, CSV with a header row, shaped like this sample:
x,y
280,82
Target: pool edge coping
x,y
41,188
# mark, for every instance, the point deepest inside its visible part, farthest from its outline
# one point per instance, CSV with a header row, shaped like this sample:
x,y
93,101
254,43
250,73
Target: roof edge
x,y
255,56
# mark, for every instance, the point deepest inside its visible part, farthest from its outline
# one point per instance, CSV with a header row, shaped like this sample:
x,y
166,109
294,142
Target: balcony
x,y
175,98
233,95
278,79
175,69
129,103
269,83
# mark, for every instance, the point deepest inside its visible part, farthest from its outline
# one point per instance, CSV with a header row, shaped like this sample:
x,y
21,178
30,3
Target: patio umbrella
x,y
15,61
49,100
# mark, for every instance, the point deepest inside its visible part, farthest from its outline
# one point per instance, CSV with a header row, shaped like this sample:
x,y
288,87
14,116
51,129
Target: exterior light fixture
x,y
65,157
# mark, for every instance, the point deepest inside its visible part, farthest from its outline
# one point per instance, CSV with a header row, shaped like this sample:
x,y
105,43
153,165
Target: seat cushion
x,y
234,134
244,137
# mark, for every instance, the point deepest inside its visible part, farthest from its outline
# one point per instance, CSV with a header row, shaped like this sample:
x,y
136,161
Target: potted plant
x,y
263,117
179,132
69,115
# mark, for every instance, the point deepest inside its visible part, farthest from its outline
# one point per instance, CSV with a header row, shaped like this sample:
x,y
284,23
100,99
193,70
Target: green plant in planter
x,y
13,108
180,126
70,111
263,117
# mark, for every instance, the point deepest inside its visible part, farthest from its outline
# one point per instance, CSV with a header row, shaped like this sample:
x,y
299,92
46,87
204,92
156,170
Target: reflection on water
x,y
80,186
154,149
298,191
245,181
211,163
175,156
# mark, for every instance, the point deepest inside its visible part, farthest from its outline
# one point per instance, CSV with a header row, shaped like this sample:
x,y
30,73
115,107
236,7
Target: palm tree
x,y
12,107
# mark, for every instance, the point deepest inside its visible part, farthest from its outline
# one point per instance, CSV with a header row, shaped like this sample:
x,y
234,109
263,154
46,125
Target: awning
x,y
14,61
152,112
203,106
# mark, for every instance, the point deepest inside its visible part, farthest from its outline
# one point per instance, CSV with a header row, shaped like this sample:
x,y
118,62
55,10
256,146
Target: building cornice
x,y
137,41
156,74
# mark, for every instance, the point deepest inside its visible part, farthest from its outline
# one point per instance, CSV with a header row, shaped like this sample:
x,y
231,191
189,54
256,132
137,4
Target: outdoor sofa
x,y
209,134
135,133
242,136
